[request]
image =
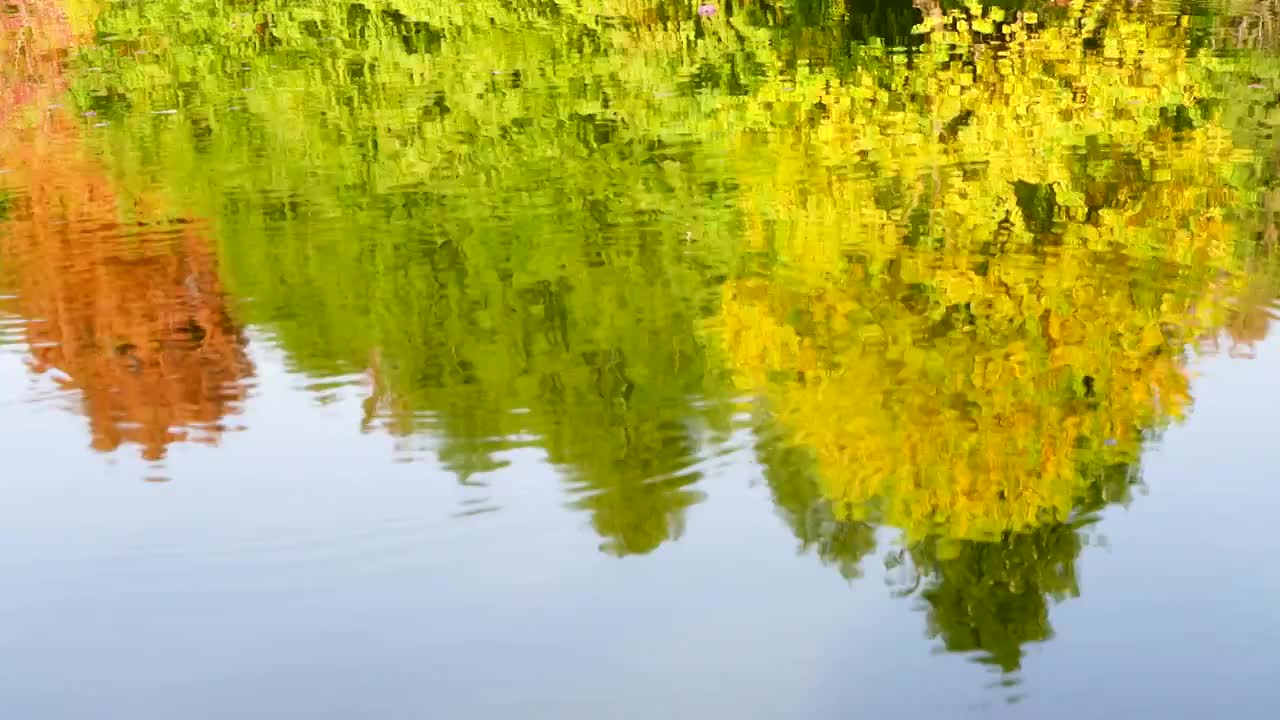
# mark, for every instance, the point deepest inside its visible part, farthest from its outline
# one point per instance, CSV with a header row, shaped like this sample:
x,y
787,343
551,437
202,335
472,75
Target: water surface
x,y
615,359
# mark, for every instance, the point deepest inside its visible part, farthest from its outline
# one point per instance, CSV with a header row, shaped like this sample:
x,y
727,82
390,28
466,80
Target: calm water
x,y
638,358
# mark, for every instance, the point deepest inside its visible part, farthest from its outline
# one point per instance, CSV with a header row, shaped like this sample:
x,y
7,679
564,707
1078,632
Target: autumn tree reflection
x,y
975,290
953,277
123,301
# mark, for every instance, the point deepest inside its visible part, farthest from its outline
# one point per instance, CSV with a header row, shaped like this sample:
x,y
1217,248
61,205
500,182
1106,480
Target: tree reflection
x,y
992,598
129,313
792,475
966,323
955,277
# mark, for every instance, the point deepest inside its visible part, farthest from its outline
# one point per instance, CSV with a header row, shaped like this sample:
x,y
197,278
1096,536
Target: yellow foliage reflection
x,y
983,271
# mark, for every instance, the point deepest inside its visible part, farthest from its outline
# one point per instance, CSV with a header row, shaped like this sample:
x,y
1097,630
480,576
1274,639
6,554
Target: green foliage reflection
x,y
960,279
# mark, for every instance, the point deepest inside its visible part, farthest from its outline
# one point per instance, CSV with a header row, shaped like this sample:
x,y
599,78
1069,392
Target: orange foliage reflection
x,y
131,314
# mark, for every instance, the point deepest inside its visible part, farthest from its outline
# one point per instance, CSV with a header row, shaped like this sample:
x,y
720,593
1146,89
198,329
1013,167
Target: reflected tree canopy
x,y
958,259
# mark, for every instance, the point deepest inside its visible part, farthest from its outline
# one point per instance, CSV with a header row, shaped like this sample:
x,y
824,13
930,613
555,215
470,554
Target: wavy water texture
x,y
958,260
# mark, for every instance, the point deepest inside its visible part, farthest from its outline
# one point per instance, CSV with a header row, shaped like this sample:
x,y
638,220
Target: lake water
x,y
638,358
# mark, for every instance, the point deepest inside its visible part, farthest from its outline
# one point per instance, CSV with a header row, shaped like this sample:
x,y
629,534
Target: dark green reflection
x,y
467,203
993,598
792,475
